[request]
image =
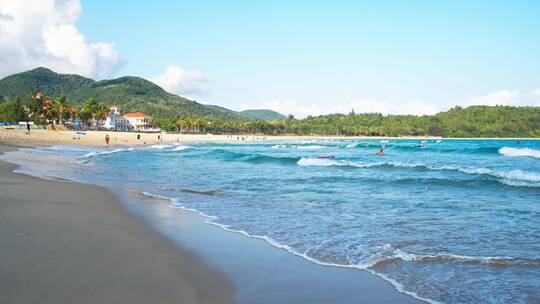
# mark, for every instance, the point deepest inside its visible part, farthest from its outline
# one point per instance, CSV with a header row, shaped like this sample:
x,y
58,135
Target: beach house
x,y
115,121
139,121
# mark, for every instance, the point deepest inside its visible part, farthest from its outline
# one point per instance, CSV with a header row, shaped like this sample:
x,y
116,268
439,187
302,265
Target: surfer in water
x,y
381,152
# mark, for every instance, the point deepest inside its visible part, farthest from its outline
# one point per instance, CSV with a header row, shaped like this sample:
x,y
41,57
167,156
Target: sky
x,y
299,57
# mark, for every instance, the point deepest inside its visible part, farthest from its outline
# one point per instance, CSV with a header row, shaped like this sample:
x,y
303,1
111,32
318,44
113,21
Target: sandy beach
x,y
39,137
65,242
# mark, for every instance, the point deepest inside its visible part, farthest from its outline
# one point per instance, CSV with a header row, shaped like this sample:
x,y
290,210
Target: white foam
x,y
160,146
328,162
519,152
299,147
320,162
96,153
508,177
182,147
211,220
515,175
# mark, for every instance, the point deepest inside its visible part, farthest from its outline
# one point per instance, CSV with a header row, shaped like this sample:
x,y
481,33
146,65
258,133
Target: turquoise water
x,y
450,221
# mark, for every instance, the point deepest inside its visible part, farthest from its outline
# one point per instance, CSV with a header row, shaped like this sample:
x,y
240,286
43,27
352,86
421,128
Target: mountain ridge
x,y
131,93
263,114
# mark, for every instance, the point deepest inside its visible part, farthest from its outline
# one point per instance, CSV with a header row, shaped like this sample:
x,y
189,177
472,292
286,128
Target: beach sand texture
x,y
39,137
72,243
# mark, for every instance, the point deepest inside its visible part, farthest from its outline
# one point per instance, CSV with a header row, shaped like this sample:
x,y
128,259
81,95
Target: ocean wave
x,y
513,175
252,157
496,261
309,147
96,153
160,146
531,179
181,148
437,148
326,162
519,152
213,220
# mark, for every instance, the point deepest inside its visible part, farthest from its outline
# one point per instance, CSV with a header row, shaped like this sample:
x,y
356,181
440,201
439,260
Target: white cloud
x,y
506,98
43,33
536,96
180,81
502,97
291,106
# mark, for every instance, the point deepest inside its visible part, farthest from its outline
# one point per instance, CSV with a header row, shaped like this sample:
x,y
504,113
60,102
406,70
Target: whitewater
x,y
452,221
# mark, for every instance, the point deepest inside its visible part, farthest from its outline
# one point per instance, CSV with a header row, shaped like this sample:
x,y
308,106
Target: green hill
x,y
263,114
130,93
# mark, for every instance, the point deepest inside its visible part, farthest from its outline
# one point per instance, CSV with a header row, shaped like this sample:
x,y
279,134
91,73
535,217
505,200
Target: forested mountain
x,y
130,93
263,114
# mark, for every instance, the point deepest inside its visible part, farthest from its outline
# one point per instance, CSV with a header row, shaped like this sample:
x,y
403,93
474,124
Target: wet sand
x,y
261,273
65,242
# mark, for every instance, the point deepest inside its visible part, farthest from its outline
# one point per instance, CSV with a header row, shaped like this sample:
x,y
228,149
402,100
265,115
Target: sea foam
x,y
519,152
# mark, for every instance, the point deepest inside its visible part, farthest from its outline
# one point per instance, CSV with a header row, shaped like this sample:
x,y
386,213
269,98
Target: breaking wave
x,y
519,152
508,177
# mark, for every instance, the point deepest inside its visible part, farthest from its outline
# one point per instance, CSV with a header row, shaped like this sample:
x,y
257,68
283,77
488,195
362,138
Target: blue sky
x,y
311,57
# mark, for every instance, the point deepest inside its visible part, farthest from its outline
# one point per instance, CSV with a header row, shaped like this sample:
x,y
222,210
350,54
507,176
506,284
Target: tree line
x,y
473,121
43,110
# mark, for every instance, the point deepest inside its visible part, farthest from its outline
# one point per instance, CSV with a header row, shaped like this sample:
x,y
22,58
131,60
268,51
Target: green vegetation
x,y
129,93
475,121
263,114
175,113
43,110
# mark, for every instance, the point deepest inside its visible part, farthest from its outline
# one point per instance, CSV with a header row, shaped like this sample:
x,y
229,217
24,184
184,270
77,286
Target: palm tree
x,y
101,112
61,106
88,110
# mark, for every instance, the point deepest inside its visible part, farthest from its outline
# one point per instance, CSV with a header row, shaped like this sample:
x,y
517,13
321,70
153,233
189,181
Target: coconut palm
x,y
60,106
101,112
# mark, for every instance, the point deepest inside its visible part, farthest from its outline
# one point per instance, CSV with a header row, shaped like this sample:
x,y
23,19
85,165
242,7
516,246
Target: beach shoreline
x,y
232,280
65,242
40,137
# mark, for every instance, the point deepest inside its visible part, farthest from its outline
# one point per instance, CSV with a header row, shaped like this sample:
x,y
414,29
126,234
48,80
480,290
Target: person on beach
x,y
107,139
138,136
28,127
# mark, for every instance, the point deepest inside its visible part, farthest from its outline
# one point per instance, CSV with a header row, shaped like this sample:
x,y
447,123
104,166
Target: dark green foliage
x,y
263,114
130,93
12,112
22,85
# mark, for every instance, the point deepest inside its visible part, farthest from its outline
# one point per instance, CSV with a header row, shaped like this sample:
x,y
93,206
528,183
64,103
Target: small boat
x,y
326,156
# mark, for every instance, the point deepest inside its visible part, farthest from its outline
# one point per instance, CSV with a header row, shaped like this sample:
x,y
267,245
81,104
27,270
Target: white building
x,y
115,121
139,121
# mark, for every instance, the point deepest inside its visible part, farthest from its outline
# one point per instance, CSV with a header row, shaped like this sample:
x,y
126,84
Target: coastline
x,y
18,136
69,242
241,268
263,273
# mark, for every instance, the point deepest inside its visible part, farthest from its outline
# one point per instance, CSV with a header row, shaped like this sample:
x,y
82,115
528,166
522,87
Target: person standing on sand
x,y
28,127
107,139
138,136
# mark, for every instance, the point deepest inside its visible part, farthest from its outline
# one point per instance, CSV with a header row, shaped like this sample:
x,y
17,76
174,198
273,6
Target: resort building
x,y
128,122
139,121
115,121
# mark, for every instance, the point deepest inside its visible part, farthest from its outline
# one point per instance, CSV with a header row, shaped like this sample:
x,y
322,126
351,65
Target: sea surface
x,y
450,221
